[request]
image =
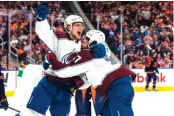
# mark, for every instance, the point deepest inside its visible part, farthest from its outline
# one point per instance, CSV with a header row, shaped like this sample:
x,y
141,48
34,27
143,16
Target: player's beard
x,y
77,36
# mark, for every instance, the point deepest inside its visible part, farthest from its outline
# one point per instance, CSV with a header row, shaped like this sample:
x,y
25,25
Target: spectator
x,y
156,15
144,30
156,32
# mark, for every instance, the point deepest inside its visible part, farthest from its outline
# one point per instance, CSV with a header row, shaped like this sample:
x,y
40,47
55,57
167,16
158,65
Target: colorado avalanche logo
x,y
66,57
69,57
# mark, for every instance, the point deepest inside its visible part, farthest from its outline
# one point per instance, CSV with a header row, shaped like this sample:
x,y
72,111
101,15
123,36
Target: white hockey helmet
x,y
95,36
72,19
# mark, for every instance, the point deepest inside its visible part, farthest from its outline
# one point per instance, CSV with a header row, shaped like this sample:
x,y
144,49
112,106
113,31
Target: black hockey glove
x,y
4,104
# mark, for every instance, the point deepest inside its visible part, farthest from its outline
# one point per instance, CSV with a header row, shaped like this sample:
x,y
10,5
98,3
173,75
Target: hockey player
x,y
51,90
114,92
151,70
114,100
83,97
3,98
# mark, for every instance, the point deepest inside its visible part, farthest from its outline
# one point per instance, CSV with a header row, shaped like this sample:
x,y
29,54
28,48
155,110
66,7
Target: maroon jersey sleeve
x,y
74,59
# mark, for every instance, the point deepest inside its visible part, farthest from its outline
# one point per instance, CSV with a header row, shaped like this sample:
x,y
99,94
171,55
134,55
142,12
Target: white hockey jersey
x,y
58,42
61,45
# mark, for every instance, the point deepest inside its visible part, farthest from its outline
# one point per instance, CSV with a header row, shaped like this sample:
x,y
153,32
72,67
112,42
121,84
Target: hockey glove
x,y
4,104
42,10
98,50
46,63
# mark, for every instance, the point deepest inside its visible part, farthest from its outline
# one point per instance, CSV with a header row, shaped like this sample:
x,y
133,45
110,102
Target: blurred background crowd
x,y
141,21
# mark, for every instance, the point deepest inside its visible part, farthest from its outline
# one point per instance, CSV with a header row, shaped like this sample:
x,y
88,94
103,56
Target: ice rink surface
x,y
144,104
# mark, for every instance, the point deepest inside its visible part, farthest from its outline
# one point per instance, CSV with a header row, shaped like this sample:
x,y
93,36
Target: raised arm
x,y
43,28
46,34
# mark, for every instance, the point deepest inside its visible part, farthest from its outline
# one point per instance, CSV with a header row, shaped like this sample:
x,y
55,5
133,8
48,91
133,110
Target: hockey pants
x,y
120,96
46,94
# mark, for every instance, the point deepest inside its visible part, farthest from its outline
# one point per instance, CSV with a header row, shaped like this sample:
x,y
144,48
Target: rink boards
x,y
165,80
33,73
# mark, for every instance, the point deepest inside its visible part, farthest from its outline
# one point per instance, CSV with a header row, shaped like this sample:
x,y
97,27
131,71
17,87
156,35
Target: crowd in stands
x,y
142,21
20,40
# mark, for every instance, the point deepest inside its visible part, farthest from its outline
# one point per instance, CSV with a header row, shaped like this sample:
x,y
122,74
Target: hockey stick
x,y
14,109
10,108
17,110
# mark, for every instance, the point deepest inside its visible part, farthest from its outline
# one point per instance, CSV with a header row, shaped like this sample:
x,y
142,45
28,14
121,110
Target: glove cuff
x,y
39,19
47,60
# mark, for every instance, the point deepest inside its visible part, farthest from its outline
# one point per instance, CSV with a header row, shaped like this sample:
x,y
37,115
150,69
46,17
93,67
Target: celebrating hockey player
x,y
52,91
3,98
114,92
83,97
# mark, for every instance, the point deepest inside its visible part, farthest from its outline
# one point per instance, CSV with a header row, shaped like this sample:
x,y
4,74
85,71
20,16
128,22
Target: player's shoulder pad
x,y
61,34
85,54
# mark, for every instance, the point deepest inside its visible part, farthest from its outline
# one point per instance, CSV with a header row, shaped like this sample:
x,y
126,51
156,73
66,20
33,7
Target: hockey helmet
x,y
95,36
72,19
